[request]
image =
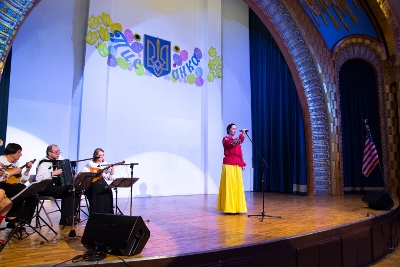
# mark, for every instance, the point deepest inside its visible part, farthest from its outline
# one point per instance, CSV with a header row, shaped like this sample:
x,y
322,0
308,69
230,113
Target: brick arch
x,y
297,53
372,56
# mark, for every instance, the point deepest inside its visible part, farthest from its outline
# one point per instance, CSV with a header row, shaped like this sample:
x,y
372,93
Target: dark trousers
x,y
100,198
67,198
22,208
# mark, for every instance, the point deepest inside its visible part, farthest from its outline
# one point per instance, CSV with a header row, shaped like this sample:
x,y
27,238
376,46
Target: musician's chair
x,y
41,207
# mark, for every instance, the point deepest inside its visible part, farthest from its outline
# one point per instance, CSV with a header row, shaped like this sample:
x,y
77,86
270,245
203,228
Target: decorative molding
x,y
394,24
312,91
320,8
368,53
12,14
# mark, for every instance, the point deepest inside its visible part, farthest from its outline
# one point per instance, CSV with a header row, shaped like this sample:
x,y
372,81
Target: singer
x,y
231,197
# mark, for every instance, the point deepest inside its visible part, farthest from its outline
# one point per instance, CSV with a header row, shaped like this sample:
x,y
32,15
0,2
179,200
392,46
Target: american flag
x,y
370,158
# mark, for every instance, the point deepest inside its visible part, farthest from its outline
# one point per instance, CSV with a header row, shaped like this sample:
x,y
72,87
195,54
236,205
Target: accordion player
x,y
46,168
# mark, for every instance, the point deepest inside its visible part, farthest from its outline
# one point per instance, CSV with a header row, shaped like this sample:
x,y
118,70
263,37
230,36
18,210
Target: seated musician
x,y
64,192
100,198
12,181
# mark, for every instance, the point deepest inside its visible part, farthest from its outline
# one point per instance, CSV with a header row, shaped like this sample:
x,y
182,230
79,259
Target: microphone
x,y
244,130
96,157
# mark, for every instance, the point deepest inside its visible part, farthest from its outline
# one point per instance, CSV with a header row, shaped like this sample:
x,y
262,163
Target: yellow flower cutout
x,y
104,35
92,37
107,21
212,51
94,22
218,61
116,26
211,64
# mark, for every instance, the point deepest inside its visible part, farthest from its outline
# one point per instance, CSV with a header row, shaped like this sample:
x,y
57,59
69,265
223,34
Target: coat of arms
x,y
157,55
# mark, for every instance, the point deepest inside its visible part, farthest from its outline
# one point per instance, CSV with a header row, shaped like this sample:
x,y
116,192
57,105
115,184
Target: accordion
x,y
65,178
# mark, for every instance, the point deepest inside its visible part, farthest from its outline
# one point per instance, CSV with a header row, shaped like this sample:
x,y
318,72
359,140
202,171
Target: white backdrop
x,y
62,91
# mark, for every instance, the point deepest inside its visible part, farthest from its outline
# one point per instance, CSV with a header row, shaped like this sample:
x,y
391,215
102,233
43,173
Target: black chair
x,y
40,207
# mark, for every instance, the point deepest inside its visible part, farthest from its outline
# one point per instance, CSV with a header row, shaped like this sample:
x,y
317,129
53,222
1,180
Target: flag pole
x,y
371,149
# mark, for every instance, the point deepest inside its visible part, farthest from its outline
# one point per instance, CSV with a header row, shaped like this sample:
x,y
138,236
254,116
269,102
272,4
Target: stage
x,y
188,231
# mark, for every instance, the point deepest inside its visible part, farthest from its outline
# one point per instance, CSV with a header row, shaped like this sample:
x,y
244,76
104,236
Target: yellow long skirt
x,y
231,197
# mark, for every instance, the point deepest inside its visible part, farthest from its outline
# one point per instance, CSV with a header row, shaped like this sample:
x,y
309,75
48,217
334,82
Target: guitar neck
x,y
111,165
23,166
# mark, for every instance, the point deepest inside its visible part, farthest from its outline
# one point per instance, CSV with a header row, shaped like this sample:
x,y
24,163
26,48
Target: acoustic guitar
x,y
17,177
100,171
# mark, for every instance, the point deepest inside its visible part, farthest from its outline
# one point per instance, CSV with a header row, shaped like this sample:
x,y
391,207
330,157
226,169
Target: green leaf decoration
x,y
191,78
103,49
139,69
210,77
122,63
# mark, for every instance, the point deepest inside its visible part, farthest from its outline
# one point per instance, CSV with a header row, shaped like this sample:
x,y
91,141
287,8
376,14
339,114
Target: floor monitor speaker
x,y
115,233
379,200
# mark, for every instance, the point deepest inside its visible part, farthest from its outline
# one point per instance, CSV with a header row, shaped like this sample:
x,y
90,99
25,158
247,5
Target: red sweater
x,y
233,150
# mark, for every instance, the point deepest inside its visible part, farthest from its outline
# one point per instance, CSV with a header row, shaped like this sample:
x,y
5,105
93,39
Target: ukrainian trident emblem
x,y
157,55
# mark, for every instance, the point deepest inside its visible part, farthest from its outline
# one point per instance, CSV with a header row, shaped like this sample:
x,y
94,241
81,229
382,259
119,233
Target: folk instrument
x,y
66,177
100,171
17,177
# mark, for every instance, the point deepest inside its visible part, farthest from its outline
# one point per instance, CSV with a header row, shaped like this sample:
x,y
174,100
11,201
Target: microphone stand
x,y
72,233
131,166
262,183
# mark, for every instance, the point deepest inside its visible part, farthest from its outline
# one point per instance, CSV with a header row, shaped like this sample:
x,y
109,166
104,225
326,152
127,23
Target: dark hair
x,y
49,148
12,148
229,127
96,151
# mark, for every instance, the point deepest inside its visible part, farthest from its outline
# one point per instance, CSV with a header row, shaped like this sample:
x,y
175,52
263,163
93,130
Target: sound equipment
x,y
115,233
65,178
379,200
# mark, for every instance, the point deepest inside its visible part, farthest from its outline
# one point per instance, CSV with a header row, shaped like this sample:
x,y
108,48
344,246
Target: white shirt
x,y
44,170
7,165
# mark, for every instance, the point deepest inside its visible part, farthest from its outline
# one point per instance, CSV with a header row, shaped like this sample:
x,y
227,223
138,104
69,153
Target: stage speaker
x,y
115,233
379,200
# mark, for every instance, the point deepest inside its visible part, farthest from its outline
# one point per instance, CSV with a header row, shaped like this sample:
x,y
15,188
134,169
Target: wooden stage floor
x,y
190,225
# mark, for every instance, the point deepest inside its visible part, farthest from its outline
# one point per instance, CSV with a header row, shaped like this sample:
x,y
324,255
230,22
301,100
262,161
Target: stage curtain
x,y
358,101
277,121
4,96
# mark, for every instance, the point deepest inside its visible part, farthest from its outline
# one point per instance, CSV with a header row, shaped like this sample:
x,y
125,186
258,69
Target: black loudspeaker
x,y
113,233
379,200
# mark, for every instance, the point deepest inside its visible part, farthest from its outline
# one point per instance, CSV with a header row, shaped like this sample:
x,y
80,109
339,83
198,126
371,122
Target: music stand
x,y
82,182
31,190
73,167
121,182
